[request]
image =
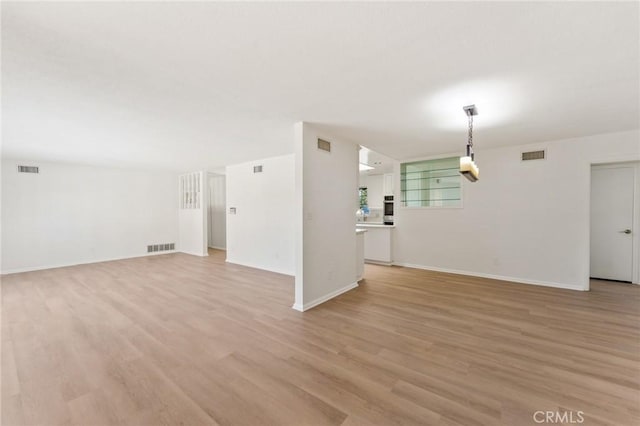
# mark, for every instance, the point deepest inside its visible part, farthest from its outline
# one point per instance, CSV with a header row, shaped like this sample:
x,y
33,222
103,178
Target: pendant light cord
x,y
470,142
470,130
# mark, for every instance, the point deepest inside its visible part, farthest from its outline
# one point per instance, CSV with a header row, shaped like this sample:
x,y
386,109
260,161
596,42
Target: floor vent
x,y
324,145
161,247
534,155
28,169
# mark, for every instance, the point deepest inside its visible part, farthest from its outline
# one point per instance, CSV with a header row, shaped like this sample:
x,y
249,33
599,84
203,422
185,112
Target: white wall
x,y
216,212
71,214
375,193
326,202
522,221
261,233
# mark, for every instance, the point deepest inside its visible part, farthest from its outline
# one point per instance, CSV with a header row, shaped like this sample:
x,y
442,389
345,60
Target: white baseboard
x,y
493,277
276,270
378,262
205,254
88,262
218,248
322,299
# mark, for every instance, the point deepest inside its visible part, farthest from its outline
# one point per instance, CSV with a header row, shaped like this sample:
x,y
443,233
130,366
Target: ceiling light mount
x,y
470,110
468,167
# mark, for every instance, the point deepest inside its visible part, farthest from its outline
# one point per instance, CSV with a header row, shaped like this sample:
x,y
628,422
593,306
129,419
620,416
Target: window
x,y
362,193
431,183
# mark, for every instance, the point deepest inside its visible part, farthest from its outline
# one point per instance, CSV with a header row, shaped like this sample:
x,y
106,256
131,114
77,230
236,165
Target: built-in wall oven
x,y
388,210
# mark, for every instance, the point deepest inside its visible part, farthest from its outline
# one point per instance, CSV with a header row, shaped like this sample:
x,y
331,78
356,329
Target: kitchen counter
x,y
373,225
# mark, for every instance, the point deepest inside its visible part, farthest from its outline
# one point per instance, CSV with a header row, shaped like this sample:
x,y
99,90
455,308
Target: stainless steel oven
x,y
388,210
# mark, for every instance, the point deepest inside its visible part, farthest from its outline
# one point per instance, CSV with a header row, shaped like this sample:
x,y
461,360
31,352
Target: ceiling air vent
x,y
534,155
324,145
28,169
257,169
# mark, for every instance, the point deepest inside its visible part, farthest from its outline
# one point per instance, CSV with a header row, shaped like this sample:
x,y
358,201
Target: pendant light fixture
x,y
468,166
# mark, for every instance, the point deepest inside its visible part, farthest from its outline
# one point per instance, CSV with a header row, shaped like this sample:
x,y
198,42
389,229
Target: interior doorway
x,y
216,211
614,222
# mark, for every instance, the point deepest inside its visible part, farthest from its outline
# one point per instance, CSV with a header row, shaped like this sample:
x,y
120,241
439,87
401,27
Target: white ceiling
x,y
186,86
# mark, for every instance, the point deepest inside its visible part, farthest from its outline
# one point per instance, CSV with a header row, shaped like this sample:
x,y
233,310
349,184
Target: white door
x,y
217,218
612,192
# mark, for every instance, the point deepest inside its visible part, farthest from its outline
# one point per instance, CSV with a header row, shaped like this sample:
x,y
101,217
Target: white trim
x,y
635,245
493,277
324,298
249,265
635,275
194,254
378,262
66,265
218,248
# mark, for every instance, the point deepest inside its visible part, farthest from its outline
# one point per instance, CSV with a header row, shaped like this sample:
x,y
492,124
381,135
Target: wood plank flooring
x,y
177,339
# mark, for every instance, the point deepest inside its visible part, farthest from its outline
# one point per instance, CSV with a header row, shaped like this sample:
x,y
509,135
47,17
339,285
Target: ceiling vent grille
x,y
28,169
257,169
534,155
324,145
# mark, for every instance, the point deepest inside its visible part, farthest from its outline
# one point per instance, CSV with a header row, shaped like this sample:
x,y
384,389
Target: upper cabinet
x,y
374,184
388,184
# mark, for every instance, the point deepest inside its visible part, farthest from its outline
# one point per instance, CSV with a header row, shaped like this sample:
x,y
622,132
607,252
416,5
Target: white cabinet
x,y
378,243
388,184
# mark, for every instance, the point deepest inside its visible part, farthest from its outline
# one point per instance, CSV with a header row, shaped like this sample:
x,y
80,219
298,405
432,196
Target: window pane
x,y
362,193
431,183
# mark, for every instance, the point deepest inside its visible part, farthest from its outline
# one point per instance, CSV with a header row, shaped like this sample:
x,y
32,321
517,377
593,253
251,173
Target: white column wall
x,y
326,202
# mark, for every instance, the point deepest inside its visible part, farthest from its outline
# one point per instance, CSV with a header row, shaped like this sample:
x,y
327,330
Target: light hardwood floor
x,y
177,339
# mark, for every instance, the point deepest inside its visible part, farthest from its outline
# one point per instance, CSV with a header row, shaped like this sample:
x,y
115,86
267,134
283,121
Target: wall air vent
x,y
161,247
28,169
324,145
534,155
257,169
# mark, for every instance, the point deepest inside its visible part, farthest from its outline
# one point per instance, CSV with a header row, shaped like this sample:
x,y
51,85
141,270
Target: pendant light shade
x,y
469,169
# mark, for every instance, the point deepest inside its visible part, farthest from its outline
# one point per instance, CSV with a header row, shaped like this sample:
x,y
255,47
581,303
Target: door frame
x,y
215,174
635,165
